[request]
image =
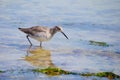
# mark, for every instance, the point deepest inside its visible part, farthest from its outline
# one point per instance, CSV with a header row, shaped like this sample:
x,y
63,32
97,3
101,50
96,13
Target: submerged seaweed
x,y
51,71
1,71
97,43
110,75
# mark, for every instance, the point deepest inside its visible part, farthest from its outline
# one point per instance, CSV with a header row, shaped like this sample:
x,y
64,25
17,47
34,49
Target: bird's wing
x,y
35,30
38,29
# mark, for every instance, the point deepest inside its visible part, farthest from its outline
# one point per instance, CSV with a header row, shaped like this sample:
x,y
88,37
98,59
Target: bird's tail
x,y
25,30
20,29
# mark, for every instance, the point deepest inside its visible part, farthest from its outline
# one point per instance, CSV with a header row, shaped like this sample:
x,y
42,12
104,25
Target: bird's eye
x,y
59,28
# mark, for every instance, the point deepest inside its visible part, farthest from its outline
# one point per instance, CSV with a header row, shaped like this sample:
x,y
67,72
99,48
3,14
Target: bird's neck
x,y
52,31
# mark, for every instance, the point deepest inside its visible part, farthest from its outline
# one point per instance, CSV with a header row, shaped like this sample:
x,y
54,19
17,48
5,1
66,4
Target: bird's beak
x,y
64,34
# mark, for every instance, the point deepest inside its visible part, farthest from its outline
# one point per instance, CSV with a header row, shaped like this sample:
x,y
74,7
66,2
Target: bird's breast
x,y
42,36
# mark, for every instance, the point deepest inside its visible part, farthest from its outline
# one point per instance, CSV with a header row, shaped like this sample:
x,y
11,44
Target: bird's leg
x,y
29,39
41,44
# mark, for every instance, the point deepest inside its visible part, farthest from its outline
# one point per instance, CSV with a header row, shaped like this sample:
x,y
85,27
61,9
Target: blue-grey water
x,y
82,21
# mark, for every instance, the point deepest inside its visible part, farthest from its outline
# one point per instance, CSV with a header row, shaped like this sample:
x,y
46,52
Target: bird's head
x,y
59,29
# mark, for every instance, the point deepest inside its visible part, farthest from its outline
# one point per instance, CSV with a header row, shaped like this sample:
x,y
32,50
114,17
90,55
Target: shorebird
x,y
41,33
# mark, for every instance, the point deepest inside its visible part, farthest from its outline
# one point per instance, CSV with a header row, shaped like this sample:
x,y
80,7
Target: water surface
x,y
82,21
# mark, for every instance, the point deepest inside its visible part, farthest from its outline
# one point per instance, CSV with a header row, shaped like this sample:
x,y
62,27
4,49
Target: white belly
x,y
42,36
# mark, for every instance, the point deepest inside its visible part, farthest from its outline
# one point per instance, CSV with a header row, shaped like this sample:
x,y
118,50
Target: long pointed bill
x,y
64,35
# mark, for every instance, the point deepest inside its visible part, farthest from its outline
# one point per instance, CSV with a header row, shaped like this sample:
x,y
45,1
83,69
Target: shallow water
x,y
82,21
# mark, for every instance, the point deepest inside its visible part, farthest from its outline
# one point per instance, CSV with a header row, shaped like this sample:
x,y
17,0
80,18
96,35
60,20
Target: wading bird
x,y
41,33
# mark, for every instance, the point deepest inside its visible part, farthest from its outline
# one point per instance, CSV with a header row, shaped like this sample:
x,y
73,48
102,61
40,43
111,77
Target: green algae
x,y
51,71
98,43
110,75
1,71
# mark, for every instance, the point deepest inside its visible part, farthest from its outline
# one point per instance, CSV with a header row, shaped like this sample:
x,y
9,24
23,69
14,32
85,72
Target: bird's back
x,y
35,29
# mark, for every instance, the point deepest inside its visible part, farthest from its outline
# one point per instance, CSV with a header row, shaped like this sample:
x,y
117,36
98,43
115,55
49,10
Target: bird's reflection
x,y
39,57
